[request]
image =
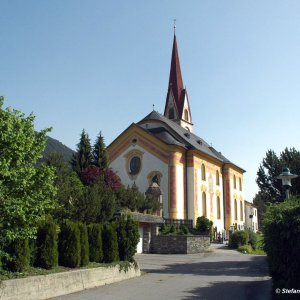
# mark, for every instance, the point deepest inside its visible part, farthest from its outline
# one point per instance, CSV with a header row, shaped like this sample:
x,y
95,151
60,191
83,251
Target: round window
x,y
135,165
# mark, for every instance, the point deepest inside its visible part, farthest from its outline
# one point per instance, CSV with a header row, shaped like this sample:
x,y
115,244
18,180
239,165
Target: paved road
x,y
221,274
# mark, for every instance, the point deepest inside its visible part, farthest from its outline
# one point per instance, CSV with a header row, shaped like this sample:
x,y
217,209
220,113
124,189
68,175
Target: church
x,y
162,153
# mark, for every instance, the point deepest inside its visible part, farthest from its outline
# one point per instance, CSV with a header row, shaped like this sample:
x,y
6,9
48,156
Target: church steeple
x,y
177,105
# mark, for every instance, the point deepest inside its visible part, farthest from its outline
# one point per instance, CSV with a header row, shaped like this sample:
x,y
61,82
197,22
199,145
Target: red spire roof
x,y
175,80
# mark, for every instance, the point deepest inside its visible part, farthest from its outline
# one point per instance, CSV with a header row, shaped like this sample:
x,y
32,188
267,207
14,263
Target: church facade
x,y
192,177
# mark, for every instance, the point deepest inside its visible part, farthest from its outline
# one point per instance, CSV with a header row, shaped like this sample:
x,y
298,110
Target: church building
x,y
192,178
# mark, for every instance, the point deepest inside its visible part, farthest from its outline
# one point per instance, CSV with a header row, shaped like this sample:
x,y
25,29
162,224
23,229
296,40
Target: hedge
x,y
18,256
281,227
46,255
69,244
128,237
95,242
238,238
84,245
110,244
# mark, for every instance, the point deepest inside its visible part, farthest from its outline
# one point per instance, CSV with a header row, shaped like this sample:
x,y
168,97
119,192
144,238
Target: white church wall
x,y
236,194
211,190
149,163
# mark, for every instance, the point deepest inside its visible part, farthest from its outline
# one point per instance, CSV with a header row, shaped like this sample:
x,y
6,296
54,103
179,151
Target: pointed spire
x,y
177,106
176,87
175,79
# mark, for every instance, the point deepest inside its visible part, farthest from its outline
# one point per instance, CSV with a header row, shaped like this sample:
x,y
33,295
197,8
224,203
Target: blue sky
x,y
100,65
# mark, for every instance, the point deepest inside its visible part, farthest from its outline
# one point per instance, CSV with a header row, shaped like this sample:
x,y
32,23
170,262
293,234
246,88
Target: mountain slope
x,y
55,146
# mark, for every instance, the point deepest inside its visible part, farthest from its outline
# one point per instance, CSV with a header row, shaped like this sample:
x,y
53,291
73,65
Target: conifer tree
x,y
83,156
100,157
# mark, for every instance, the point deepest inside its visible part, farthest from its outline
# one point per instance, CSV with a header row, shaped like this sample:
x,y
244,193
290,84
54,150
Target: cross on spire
x,y
174,26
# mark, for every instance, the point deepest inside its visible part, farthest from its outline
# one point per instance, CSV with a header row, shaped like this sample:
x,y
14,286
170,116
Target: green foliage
x,y
246,249
173,230
97,204
203,224
46,245
69,244
100,156
95,242
282,242
110,244
150,204
26,191
134,200
238,238
128,237
270,188
84,245
18,256
69,188
183,230
83,156
252,239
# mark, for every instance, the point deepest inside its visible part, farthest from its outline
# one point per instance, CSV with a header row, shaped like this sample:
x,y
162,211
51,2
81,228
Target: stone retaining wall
x,y
179,244
53,285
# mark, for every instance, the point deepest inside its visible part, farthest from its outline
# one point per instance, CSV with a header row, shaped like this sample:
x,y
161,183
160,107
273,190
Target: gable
x,y
135,136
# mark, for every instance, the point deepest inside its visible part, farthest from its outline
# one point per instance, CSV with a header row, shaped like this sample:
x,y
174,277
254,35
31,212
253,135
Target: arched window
x,y
218,208
241,211
234,182
235,210
217,178
204,204
171,113
240,183
186,115
203,175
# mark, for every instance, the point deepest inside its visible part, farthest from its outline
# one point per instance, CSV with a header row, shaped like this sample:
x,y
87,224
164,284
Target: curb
x,y
58,284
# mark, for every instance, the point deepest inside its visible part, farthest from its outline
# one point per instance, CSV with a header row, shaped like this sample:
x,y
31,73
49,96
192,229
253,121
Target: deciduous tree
x,y
26,191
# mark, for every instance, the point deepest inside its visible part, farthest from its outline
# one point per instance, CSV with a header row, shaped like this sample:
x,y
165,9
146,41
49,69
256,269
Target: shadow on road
x,y
258,290
255,267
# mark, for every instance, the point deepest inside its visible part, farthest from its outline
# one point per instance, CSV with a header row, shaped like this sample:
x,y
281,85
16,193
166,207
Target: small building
x,y
148,228
251,220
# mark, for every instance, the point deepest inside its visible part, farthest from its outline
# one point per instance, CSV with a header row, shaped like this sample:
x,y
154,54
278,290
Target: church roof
x,y
173,134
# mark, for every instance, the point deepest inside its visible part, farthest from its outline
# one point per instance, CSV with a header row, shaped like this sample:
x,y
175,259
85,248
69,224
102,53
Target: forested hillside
x,y
55,146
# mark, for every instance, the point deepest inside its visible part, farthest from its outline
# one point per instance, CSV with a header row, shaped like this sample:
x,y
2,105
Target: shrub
x,y
69,244
282,242
110,244
128,237
173,230
183,230
84,245
95,242
246,249
18,257
204,225
252,239
238,238
46,245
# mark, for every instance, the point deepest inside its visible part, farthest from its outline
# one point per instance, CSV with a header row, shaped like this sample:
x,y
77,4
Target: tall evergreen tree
x,y
83,156
100,157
